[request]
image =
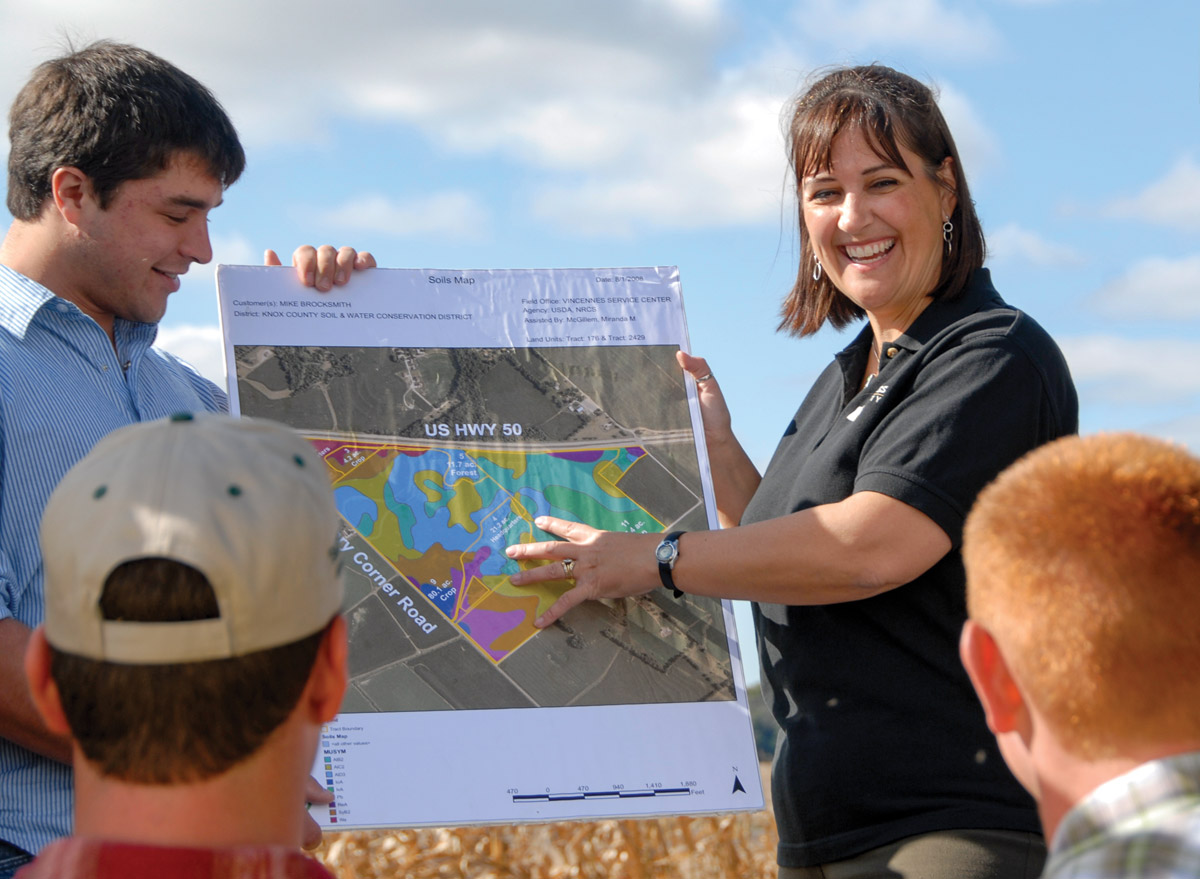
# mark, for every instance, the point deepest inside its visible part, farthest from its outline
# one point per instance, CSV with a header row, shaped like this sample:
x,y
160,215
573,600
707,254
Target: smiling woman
x,y
848,544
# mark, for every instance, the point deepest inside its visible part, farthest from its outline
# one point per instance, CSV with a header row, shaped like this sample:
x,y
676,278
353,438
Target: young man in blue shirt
x,y
117,159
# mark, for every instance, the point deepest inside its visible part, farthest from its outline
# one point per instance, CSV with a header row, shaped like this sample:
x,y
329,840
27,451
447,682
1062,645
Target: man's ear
x,y
994,683
41,684
328,680
70,190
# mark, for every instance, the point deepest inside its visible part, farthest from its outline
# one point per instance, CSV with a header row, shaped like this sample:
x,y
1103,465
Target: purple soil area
x,y
472,568
338,455
582,457
460,582
486,626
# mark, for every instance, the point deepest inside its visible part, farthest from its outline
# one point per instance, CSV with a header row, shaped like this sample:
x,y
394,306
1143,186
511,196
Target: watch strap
x,y
664,569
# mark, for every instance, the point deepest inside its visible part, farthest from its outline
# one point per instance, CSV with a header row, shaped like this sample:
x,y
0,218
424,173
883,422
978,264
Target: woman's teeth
x,y
864,252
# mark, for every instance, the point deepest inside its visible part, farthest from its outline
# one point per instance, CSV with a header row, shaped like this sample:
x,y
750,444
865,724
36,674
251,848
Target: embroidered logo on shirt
x,y
878,393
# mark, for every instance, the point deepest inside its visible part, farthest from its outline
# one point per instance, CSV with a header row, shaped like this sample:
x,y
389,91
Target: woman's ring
x,y
569,568
707,377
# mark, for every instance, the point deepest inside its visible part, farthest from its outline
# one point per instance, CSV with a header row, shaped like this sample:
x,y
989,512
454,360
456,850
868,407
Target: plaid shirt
x,y
1144,824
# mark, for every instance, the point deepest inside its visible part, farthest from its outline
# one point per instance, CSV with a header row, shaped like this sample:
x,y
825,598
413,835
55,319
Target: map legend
x,y
332,761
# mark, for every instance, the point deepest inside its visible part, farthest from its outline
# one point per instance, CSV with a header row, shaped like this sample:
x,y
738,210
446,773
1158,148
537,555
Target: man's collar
x,y
20,299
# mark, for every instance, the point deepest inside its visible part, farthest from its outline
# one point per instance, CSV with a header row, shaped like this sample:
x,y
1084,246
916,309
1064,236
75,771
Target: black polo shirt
x,y
883,737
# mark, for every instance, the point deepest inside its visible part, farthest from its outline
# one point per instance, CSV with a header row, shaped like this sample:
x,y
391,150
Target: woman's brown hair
x,y
892,110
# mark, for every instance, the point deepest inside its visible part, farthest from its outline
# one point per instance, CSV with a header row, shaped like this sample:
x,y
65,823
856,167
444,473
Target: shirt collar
x,y
938,315
1128,796
941,313
21,299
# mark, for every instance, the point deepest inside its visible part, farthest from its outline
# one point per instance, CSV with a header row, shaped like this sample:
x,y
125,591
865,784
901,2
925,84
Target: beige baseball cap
x,y
246,502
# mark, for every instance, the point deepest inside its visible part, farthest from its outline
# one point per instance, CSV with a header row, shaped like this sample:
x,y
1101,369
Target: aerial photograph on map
x,y
442,457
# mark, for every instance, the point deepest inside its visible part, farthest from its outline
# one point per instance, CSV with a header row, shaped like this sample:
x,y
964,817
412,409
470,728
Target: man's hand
x,y
314,795
324,267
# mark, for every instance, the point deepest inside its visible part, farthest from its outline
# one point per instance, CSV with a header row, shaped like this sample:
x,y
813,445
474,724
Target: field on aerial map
x,y
442,457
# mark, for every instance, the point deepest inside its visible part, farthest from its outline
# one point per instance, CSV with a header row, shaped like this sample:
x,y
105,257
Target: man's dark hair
x,y
117,113
177,723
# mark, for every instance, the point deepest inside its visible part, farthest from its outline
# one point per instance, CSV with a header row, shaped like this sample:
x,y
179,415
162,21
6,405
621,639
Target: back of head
x,y
1083,561
191,573
891,109
117,113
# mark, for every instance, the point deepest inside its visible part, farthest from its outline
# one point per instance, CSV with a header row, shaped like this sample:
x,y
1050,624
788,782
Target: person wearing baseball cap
x,y
192,648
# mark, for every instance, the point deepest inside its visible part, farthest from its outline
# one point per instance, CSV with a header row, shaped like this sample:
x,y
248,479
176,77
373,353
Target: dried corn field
x,y
725,846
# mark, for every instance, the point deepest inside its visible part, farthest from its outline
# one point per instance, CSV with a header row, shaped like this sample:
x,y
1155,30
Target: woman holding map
x,y
848,544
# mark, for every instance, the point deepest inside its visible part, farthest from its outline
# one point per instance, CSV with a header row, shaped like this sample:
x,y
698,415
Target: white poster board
x,y
452,407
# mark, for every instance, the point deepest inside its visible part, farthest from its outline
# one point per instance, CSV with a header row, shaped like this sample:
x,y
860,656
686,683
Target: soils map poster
x,y
452,408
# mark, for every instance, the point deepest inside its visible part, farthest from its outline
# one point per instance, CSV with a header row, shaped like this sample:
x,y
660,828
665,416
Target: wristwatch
x,y
667,553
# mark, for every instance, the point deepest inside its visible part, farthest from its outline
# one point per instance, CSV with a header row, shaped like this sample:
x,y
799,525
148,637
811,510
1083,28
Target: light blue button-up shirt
x,y
62,388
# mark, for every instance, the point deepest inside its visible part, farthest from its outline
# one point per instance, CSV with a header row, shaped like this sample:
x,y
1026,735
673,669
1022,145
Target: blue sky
x,y
548,133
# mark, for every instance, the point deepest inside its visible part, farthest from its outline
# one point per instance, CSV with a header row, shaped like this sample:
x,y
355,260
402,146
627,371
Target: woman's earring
x,y
948,236
816,269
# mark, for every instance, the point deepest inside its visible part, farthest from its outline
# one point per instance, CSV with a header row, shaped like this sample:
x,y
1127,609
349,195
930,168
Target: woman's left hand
x,y
605,564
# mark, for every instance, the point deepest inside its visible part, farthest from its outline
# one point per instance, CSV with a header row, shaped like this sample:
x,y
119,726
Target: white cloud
x,y
1014,243
201,346
717,162
608,91
713,158
1116,369
934,28
1154,289
1173,201
977,144
701,10
621,106
443,65
456,215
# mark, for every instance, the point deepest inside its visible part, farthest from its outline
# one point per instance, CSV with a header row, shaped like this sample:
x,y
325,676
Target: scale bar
x,y
603,795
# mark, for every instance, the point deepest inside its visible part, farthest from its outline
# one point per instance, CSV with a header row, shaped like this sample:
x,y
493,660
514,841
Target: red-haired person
x,y
1083,587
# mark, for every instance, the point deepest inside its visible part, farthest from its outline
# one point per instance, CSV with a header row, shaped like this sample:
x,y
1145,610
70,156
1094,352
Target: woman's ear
x,y
949,186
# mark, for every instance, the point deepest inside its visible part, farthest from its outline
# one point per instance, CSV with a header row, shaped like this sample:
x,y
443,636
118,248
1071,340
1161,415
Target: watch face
x,y
665,552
